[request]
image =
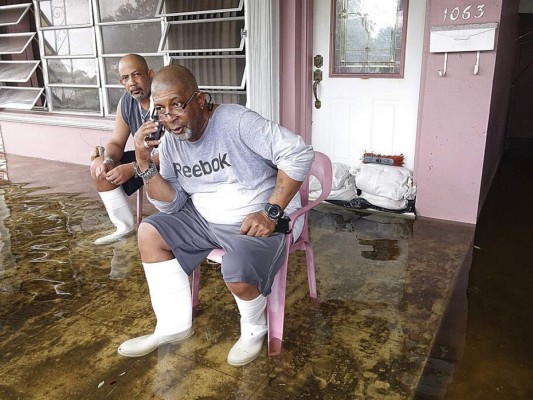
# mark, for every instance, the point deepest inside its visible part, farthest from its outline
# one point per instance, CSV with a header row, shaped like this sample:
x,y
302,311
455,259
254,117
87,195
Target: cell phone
x,y
157,134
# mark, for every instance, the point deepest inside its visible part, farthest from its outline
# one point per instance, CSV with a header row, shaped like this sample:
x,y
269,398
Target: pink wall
x,y
51,142
453,122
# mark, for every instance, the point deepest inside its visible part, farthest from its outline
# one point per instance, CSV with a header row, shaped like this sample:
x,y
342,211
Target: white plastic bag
x,y
342,185
386,181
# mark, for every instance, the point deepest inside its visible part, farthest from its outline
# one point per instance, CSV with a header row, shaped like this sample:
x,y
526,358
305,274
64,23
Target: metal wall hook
x,y
476,67
443,71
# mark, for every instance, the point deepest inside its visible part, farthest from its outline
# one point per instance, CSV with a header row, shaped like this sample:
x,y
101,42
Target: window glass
x,y
183,7
204,36
121,10
15,43
131,38
19,97
369,37
69,42
17,71
216,71
78,71
64,12
12,15
76,99
113,96
228,97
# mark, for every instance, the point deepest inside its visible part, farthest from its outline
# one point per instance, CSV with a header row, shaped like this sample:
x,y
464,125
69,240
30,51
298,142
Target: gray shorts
x,y
252,260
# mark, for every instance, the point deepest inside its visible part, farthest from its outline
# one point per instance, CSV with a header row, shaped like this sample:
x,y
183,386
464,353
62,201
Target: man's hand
x,y
118,175
102,170
143,147
258,225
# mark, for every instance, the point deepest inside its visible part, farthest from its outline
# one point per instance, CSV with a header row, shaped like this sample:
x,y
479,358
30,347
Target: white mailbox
x,y
455,38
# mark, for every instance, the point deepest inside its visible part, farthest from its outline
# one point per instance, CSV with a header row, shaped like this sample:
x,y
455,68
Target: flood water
x,y
484,348
399,315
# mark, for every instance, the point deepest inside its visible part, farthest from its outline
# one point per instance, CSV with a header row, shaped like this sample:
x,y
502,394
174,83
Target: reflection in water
x,y
7,259
382,250
44,289
123,258
46,248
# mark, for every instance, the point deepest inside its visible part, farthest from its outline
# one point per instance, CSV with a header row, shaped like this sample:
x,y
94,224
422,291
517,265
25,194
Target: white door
x,y
367,115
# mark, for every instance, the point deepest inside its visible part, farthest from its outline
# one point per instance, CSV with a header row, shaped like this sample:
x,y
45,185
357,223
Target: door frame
x,y
296,61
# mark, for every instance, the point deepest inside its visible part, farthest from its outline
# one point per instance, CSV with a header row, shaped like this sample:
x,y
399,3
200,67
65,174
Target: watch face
x,y
274,211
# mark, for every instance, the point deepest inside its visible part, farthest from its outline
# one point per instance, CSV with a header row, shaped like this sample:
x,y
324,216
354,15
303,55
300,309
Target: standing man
x,y
227,176
113,174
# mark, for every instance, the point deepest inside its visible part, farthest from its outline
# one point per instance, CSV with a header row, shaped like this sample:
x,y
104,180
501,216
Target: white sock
x,y
170,294
253,317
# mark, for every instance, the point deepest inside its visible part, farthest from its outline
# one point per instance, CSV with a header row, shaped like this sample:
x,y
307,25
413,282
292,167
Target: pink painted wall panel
x,y
453,122
58,143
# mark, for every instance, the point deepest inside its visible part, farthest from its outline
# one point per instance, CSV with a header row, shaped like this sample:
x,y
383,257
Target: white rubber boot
x,y
118,209
170,294
253,331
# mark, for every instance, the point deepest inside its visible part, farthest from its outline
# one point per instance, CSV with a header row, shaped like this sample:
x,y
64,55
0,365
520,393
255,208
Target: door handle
x,y
317,78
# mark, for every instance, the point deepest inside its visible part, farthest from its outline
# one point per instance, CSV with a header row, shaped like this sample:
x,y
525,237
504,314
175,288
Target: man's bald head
x,y
135,59
175,76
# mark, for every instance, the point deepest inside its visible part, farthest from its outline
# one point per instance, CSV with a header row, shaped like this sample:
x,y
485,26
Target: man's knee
x,y
95,164
147,234
151,244
242,290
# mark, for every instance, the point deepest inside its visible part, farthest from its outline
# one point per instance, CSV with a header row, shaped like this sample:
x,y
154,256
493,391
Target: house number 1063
x,y
466,13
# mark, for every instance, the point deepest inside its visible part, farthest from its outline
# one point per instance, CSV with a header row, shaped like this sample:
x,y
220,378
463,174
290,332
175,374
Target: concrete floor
x,y
65,305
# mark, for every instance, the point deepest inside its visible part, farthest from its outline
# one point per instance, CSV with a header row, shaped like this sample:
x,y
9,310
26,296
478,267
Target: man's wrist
x,y
146,174
135,169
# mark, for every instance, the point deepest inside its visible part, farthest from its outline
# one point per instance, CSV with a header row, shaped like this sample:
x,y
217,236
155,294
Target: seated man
x,y
227,175
113,174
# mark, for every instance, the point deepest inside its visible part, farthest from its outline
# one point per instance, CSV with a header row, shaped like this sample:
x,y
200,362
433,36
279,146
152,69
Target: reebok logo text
x,y
203,167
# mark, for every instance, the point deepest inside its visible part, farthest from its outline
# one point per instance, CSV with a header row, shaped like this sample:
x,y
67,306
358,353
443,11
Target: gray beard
x,y
186,135
141,96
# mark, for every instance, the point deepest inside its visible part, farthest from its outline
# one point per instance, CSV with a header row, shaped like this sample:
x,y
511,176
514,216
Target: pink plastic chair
x,y
140,198
322,170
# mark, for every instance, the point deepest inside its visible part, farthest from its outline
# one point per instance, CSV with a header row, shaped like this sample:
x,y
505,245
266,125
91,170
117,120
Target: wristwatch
x,y
273,211
109,160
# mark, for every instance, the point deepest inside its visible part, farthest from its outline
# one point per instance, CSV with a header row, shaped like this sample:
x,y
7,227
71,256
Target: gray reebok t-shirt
x,y
231,170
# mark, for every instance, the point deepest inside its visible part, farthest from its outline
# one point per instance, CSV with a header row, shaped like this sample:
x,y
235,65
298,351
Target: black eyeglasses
x,y
174,110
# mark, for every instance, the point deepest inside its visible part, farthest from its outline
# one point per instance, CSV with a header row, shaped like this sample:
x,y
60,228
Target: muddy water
x,y
483,350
